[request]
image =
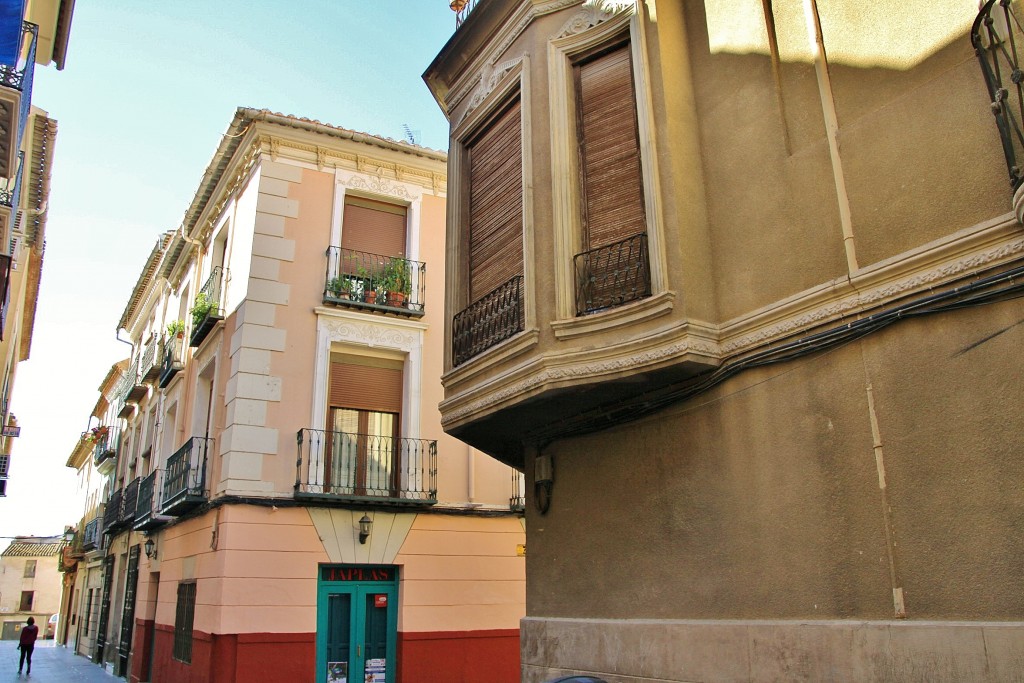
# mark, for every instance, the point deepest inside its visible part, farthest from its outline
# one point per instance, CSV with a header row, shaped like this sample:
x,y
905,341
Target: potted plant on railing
x,y
340,286
200,309
367,284
176,328
396,281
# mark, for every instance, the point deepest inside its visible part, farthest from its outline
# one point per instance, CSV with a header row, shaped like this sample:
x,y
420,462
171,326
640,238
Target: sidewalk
x,y
51,663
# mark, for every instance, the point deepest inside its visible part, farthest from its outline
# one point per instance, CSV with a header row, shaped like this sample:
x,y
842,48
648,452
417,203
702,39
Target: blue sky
x,y
147,91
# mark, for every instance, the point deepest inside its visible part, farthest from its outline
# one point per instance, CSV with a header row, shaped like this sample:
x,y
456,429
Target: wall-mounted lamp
x,y
364,528
150,548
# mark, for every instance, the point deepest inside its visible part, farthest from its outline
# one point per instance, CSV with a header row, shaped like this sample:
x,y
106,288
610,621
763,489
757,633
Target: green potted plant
x,y
340,286
176,328
396,281
200,309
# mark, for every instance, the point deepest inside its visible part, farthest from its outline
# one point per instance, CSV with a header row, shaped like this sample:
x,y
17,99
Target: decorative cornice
x,y
369,334
591,14
509,37
378,185
967,253
861,301
490,76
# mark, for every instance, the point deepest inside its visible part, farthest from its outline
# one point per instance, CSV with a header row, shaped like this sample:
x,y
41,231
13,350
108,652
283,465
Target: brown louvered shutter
x,y
373,227
366,387
496,203
613,206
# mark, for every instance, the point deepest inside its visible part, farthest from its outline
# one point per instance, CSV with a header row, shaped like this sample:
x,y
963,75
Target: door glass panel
x,y
339,616
344,450
380,430
376,639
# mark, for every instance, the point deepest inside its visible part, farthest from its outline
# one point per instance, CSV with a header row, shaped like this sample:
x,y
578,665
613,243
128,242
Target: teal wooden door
x,y
357,624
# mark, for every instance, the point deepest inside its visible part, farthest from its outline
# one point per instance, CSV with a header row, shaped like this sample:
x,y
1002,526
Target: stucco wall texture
x,y
761,499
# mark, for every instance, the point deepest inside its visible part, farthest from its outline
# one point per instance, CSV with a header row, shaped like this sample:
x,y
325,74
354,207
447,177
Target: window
x,y
496,202
608,233
611,268
184,619
5,464
30,569
492,303
26,601
364,406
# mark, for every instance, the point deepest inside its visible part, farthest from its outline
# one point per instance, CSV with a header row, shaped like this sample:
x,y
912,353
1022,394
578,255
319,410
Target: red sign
x,y
380,600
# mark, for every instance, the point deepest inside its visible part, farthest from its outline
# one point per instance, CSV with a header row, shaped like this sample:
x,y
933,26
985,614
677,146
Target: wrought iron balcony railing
x,y
105,441
185,477
148,368
390,284
20,76
129,500
349,466
995,36
488,321
9,191
147,510
612,275
91,534
207,309
517,503
112,513
173,358
462,8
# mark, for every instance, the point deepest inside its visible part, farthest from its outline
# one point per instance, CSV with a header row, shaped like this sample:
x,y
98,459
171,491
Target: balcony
x,y
373,282
130,390
612,275
363,468
462,8
488,321
10,188
206,311
149,368
995,35
129,500
16,99
147,510
173,358
112,512
185,477
517,503
91,535
105,441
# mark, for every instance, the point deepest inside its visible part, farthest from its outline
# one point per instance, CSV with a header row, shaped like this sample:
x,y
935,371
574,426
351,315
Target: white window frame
x,y
566,214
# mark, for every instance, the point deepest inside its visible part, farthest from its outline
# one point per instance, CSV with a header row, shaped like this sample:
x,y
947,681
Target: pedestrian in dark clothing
x,y
27,644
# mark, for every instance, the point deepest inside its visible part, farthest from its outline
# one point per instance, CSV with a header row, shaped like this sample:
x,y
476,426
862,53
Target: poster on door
x,y
375,670
337,672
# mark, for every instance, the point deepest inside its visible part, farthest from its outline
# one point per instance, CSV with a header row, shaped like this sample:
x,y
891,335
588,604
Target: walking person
x,y
27,644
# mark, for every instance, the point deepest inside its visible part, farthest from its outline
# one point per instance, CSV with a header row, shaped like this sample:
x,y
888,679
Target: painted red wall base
x,y
235,658
459,657
436,657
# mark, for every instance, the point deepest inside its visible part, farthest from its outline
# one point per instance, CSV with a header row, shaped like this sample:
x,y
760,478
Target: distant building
x,y
739,285
30,583
31,33
278,500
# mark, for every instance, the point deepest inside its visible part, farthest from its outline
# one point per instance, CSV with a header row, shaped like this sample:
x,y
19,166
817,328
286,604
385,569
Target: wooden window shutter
x,y
612,185
373,227
496,203
376,387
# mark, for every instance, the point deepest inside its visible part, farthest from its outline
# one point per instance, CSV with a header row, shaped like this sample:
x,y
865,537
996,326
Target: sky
x,y
147,91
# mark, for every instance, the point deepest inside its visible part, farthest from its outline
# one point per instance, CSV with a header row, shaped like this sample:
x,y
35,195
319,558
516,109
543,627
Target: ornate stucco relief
x,y
490,76
378,185
369,334
591,14
971,252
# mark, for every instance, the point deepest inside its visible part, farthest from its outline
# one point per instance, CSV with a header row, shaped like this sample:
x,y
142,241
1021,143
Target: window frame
x,y
564,52
507,81
185,611
26,605
30,569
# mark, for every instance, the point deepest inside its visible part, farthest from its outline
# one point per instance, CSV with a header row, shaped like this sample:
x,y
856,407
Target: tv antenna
x,y
411,136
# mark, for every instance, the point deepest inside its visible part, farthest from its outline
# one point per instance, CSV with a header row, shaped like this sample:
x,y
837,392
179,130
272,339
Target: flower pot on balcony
x,y
396,299
370,296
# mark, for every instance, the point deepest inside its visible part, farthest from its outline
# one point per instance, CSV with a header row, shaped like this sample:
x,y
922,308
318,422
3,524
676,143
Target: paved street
x,y
50,664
